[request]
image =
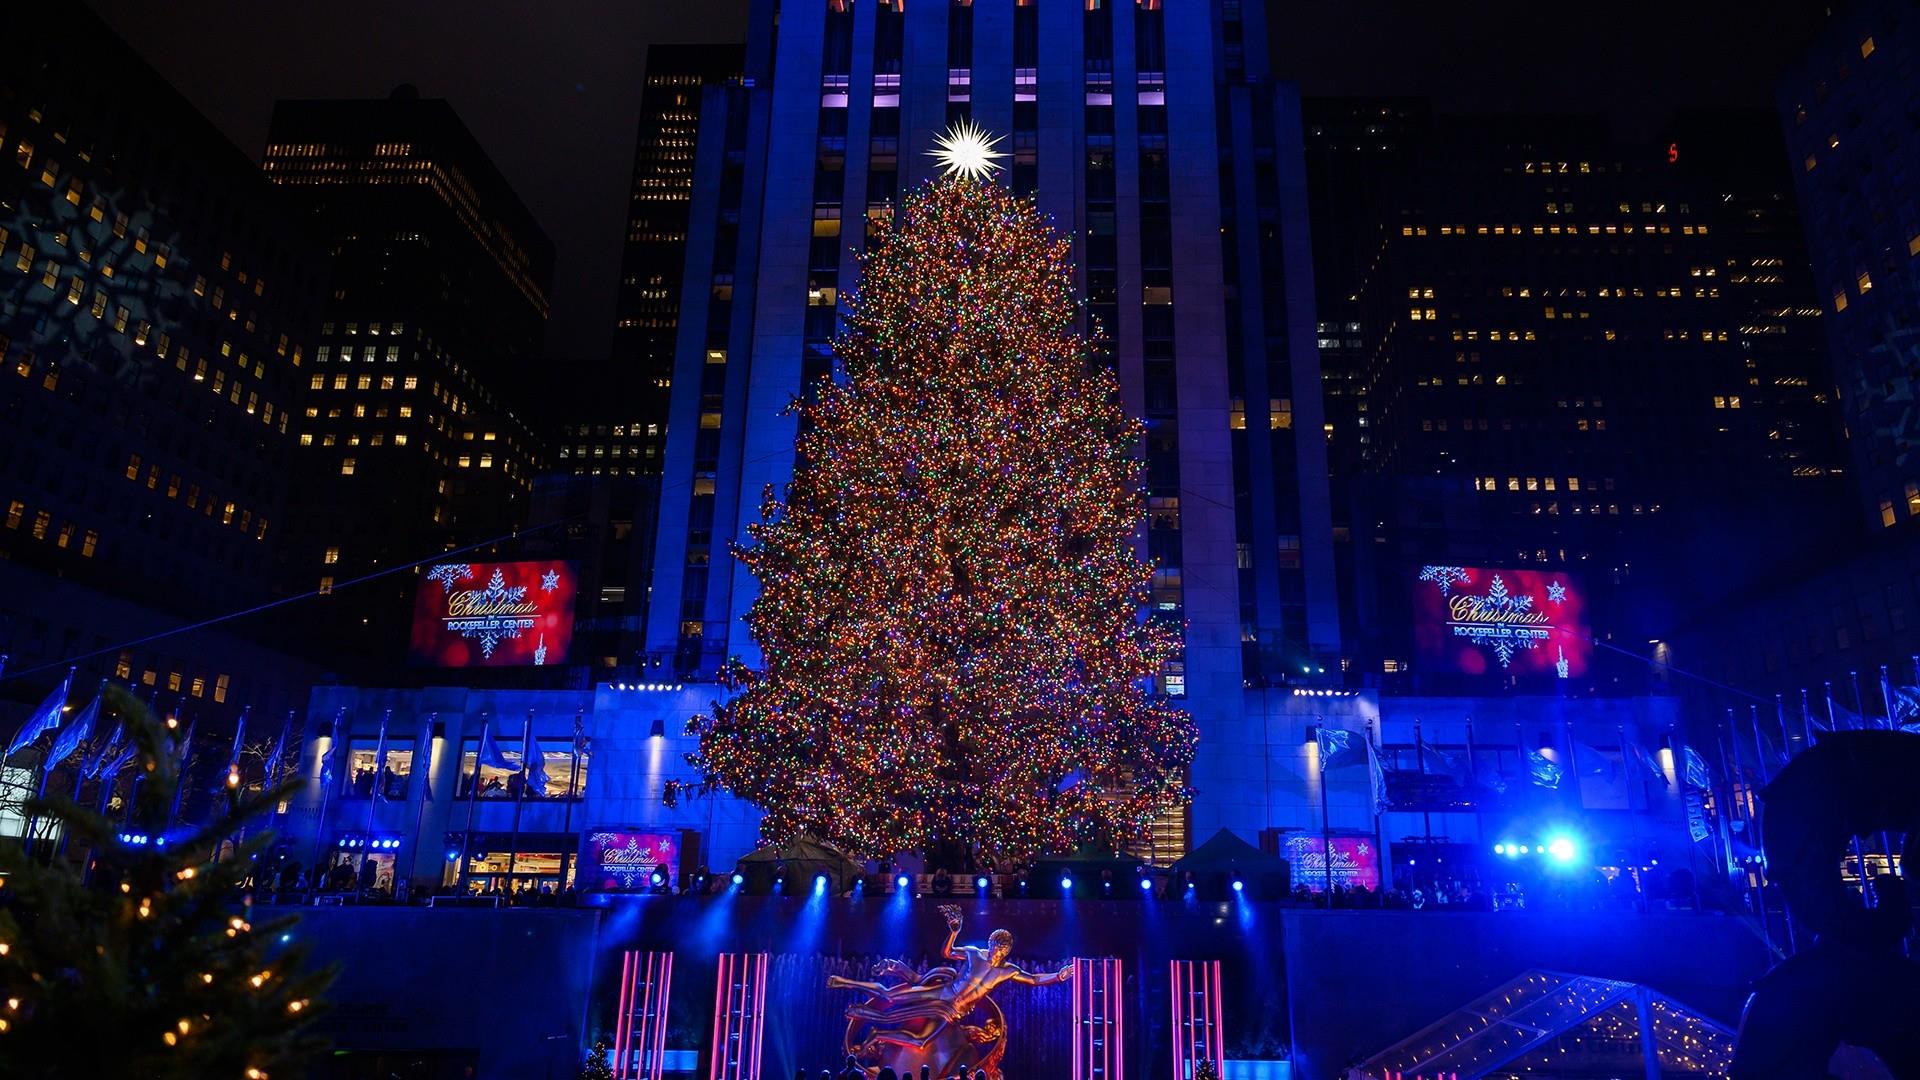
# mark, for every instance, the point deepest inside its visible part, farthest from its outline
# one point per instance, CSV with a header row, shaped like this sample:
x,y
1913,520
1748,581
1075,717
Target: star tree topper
x,y
966,150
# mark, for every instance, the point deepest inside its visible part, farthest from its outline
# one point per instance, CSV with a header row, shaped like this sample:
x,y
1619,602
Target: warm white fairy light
x,y
967,151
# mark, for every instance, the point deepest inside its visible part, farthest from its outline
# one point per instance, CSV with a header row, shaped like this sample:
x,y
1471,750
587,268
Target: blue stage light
x,y
453,855
902,882
819,884
1653,862
1066,882
657,878
1499,849
1562,849
1146,884
739,880
1238,885
982,883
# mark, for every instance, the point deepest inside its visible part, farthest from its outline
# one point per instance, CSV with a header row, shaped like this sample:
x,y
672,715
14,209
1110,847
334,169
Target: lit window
x,y
346,467
1886,513
331,557
1865,281
326,586
220,688
88,544
40,522
1840,300
15,509
1866,47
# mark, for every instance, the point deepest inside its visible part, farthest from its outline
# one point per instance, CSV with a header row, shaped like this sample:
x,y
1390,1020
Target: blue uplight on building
x,y
1066,882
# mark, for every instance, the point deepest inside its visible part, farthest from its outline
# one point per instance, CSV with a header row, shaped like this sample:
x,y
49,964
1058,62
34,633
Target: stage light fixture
x,y
1146,884
819,884
1239,886
1066,882
1562,849
1653,862
657,878
1499,849
982,883
902,882
739,880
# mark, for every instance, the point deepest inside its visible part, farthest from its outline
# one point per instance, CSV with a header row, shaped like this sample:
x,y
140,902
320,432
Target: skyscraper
x,y
425,387
1848,109
1154,135
1582,348
157,313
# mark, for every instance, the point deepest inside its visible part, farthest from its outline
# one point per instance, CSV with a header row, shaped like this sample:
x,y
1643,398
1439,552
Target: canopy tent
x,y
802,859
1225,856
1088,868
1544,1024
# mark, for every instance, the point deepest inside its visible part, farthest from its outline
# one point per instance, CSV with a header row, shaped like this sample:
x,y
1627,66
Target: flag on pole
x,y
279,750
77,732
96,762
1593,761
1845,719
232,776
491,755
1376,779
423,756
1441,763
1648,765
1341,749
185,745
333,749
380,760
1906,706
44,718
1696,772
120,761
1543,771
536,762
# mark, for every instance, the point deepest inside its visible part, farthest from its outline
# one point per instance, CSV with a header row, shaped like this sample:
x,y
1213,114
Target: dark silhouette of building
x,y
424,410
1578,349
157,315
1848,109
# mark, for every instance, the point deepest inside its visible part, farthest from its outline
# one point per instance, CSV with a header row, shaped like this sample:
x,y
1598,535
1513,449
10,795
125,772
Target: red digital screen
x,y
1522,624
1356,861
515,614
623,860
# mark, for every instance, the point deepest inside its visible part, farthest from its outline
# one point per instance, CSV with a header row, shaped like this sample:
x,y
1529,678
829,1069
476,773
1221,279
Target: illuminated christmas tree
x,y
951,604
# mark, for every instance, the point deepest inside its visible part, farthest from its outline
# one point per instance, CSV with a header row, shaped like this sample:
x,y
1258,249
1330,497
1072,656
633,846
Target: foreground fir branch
x,y
153,965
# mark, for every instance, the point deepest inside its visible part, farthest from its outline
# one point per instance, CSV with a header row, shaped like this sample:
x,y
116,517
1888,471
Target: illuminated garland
x,y
951,606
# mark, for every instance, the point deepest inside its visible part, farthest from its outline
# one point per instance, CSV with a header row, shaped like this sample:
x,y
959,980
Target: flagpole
x,y
1780,714
1326,822
1380,899
327,781
1420,759
1727,768
1806,718
40,789
375,794
1760,745
573,776
519,797
473,794
1859,703
1886,697
426,796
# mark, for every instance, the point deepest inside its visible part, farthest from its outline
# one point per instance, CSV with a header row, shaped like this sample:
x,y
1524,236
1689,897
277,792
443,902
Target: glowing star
x,y
550,581
1556,593
967,151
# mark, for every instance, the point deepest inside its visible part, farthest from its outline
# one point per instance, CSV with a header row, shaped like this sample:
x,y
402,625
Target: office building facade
x,y
1847,108
425,391
1157,138
157,315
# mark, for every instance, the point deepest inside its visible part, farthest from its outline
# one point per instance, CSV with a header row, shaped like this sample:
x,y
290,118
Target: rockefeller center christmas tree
x,y
951,605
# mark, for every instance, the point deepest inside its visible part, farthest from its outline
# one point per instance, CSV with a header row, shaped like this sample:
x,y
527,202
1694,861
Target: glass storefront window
x,y
564,778
392,780
532,870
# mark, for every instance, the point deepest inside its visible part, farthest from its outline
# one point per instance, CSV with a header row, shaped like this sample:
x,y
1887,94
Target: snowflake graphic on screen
x,y
1560,666
1498,595
1446,577
540,652
449,574
550,581
499,592
1556,593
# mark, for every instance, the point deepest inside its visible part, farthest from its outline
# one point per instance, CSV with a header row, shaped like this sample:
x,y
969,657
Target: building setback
x,y
423,398
157,312
1158,139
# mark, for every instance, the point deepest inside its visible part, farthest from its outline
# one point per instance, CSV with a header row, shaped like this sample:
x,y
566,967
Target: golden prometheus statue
x,y
942,1018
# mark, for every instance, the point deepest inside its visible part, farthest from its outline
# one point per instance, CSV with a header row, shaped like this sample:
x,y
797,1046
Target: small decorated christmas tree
x,y
152,965
951,607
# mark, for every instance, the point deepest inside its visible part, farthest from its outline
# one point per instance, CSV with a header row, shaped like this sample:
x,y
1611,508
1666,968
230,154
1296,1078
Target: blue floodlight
x,y
982,883
1499,849
902,882
739,879
1146,884
1066,882
1562,849
819,884
1238,885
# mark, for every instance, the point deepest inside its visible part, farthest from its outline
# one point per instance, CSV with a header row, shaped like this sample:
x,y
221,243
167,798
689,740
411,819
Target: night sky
x,y
553,91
